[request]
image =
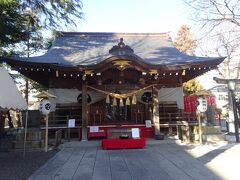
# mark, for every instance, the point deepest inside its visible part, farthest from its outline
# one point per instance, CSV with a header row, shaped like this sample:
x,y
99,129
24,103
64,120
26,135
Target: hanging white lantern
x,y
121,103
107,99
114,102
57,73
184,72
128,102
134,99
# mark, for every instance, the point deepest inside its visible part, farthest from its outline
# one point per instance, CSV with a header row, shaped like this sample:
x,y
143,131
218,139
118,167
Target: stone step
x,y
30,136
208,130
4,145
211,130
29,144
213,138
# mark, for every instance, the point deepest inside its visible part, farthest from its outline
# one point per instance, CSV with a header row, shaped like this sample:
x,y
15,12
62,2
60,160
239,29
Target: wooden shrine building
x,y
114,79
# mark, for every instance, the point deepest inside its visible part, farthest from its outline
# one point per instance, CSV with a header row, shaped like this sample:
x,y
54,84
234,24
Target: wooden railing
x,y
172,120
59,122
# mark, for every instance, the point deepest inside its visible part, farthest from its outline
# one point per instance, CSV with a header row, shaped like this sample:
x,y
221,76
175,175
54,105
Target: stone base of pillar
x,y
212,134
159,136
84,134
231,127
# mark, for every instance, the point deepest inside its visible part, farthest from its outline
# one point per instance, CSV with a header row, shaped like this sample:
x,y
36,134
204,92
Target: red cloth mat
x,y
123,143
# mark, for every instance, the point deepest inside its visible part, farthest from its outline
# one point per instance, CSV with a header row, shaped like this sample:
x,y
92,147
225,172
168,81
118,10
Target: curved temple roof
x,y
72,49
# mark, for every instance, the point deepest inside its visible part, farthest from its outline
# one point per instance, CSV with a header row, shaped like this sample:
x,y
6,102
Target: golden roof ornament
x,y
121,64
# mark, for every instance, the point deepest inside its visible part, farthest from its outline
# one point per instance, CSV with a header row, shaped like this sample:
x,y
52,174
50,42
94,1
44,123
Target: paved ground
x,y
14,166
159,160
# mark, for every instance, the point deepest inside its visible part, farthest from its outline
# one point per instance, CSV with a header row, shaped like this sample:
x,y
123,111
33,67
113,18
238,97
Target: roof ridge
x,y
65,33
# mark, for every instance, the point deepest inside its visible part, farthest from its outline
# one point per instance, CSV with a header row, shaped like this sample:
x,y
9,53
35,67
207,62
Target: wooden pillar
x,y
156,120
180,79
46,134
2,123
84,113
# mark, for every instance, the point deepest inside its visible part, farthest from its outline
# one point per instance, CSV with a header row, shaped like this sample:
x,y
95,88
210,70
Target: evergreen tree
x,y
20,19
12,26
22,23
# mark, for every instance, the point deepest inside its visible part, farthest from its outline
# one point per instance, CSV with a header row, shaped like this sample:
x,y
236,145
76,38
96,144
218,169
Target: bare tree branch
x,y
220,20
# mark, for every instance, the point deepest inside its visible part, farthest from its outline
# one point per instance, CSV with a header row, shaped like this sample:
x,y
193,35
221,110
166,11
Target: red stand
x,y
123,143
101,134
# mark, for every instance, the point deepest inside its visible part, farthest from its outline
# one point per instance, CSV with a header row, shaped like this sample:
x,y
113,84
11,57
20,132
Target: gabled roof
x,y
71,49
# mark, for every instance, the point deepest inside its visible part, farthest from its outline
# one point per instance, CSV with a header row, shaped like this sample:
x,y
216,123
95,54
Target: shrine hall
x,y
112,81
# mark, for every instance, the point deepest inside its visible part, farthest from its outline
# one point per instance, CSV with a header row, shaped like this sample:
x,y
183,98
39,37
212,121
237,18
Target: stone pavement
x,y
167,159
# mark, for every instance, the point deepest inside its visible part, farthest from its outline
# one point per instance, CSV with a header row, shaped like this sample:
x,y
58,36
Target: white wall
x,y
70,95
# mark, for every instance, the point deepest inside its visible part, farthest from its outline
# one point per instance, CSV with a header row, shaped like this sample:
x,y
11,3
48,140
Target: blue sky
x,y
133,16
136,16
